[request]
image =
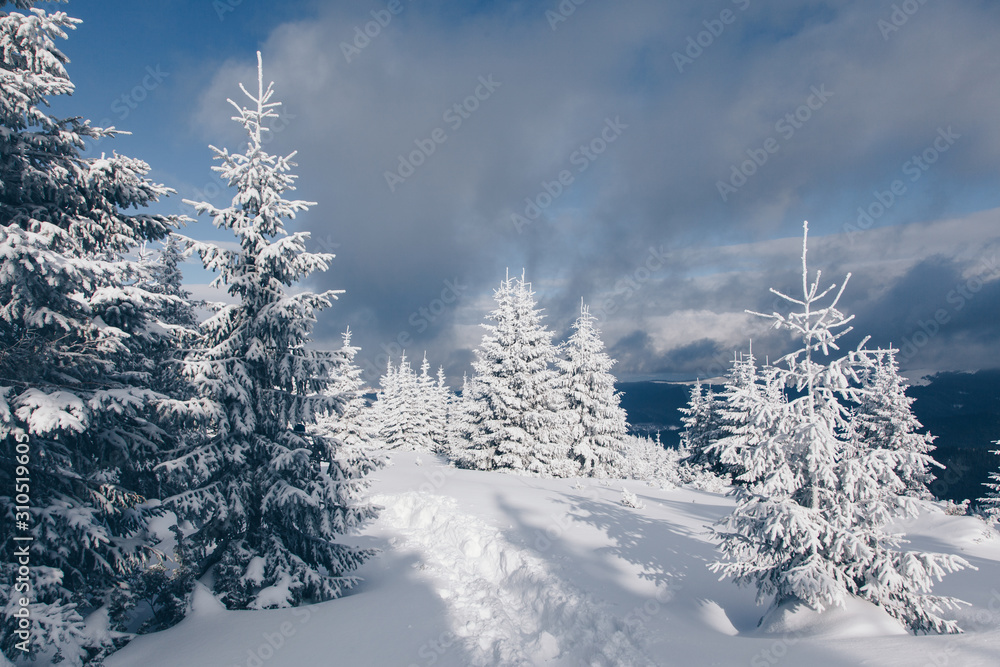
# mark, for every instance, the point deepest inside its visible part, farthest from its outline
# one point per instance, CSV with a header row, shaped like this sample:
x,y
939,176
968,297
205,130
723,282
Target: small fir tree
x,y
514,396
702,427
168,279
459,425
593,409
991,501
811,524
884,419
752,408
439,403
351,428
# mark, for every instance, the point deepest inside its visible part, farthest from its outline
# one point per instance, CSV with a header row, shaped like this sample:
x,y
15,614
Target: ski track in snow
x,y
506,606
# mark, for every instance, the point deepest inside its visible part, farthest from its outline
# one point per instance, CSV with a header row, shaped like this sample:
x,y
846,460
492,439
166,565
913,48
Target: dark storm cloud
x,y
613,148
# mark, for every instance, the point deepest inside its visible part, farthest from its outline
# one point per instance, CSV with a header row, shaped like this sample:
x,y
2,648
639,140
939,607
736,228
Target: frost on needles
x,y
811,519
267,499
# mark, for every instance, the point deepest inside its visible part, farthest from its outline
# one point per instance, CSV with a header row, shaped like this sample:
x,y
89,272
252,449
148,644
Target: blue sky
x,y
820,105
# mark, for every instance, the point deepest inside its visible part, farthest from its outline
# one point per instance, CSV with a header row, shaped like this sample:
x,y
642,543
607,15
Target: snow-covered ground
x,y
481,568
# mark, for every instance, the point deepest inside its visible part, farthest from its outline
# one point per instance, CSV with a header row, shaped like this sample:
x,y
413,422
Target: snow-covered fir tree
x,y
385,399
77,326
411,410
810,525
439,406
459,430
267,497
751,411
352,427
168,280
991,501
701,421
648,460
514,398
594,415
884,419
427,408
394,405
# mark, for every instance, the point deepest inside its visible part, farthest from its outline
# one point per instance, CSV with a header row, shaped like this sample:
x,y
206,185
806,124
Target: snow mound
x,y
505,604
714,617
857,618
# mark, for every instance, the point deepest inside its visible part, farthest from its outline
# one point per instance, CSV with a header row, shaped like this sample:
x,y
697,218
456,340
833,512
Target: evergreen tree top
x,y
257,211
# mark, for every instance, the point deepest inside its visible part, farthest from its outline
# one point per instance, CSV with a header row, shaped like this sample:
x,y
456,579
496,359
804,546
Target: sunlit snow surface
x,y
482,568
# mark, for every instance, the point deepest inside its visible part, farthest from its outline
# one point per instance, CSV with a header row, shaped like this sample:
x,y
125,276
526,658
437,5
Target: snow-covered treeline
x,y
530,405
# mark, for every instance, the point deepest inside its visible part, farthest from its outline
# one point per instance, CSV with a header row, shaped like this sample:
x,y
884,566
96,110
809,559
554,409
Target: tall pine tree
x,y
268,499
77,324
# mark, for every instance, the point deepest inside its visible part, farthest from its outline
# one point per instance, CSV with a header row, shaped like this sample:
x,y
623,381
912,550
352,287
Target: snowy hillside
x,y
486,568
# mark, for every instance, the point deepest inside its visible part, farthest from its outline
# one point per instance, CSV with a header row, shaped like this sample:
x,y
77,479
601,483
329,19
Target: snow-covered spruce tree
x,y
596,420
268,499
884,419
810,526
76,325
426,407
991,501
702,427
439,406
514,398
459,431
385,398
168,279
751,413
411,411
394,405
352,427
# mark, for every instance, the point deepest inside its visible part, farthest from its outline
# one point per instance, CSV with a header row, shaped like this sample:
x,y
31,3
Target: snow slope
x,y
482,568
